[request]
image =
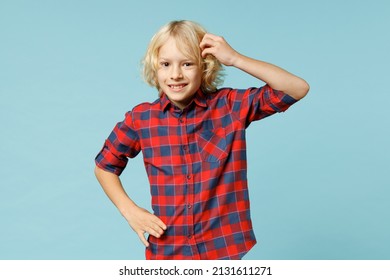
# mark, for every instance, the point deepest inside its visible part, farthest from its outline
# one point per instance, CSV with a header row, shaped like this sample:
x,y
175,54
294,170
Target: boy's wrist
x,y
127,208
237,60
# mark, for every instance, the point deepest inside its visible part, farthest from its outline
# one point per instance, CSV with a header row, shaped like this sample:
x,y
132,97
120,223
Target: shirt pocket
x,y
212,144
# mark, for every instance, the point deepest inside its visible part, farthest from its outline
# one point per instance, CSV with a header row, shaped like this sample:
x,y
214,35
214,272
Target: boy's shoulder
x,y
220,92
143,113
147,106
225,93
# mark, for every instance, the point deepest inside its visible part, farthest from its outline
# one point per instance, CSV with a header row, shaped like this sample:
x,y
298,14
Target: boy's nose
x,y
176,73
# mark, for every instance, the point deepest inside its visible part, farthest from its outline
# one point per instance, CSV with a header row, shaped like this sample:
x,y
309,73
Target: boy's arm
x,y
140,220
274,76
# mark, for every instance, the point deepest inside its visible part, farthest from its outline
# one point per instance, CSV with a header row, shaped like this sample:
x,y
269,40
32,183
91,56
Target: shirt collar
x,y
164,101
200,99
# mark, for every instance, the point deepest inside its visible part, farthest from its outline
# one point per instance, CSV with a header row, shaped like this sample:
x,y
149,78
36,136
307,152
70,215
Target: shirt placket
x,y
189,179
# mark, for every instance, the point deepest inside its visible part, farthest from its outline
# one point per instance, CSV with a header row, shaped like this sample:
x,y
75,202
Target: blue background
x,y
318,174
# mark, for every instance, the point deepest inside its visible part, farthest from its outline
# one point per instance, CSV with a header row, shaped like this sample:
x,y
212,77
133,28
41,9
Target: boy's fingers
x,y
211,36
206,43
156,230
143,239
161,224
157,223
155,233
207,51
211,40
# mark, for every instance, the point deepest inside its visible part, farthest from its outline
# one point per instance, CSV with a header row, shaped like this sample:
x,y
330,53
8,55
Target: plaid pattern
x,y
197,168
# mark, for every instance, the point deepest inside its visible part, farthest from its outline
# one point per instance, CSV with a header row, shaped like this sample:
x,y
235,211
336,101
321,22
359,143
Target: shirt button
x,y
189,236
185,148
189,206
189,177
181,120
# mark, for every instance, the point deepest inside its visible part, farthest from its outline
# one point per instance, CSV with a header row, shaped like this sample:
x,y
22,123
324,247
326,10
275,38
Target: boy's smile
x,y
179,77
177,87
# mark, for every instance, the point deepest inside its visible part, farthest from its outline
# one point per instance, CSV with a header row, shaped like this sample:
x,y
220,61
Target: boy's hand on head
x,y
218,47
142,221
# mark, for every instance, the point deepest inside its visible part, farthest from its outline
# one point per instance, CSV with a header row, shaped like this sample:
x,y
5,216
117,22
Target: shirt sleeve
x,y
122,143
257,103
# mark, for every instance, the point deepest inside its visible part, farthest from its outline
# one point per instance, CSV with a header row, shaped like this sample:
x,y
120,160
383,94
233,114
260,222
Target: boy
x,y
193,143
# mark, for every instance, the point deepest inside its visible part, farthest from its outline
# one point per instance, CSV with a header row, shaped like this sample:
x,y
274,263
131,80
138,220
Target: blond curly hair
x,y
188,35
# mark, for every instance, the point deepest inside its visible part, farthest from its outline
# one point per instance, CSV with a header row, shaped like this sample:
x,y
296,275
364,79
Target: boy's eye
x,y
164,64
187,64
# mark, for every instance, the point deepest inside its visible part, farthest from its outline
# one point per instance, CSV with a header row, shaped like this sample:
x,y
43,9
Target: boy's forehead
x,y
175,47
180,43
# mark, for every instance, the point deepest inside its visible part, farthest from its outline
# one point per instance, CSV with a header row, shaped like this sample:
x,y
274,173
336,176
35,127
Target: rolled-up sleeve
x,y
122,143
257,103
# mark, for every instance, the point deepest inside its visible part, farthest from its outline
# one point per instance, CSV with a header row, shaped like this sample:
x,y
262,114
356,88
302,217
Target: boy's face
x,y
179,77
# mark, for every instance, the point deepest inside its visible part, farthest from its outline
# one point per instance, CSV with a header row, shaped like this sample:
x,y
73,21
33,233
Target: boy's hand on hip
x,y
142,221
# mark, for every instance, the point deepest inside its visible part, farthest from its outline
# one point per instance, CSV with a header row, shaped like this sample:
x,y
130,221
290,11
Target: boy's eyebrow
x,y
182,60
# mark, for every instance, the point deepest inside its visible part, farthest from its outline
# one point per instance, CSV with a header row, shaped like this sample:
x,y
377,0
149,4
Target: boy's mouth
x,y
177,87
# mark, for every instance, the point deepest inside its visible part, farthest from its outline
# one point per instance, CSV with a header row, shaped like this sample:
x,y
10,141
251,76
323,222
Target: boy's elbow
x,y
97,171
302,90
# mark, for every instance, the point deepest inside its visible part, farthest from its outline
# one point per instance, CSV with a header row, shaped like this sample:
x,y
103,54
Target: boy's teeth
x,y
177,87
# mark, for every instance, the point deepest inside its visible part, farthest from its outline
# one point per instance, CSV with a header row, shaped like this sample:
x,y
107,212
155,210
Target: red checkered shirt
x,y
196,163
